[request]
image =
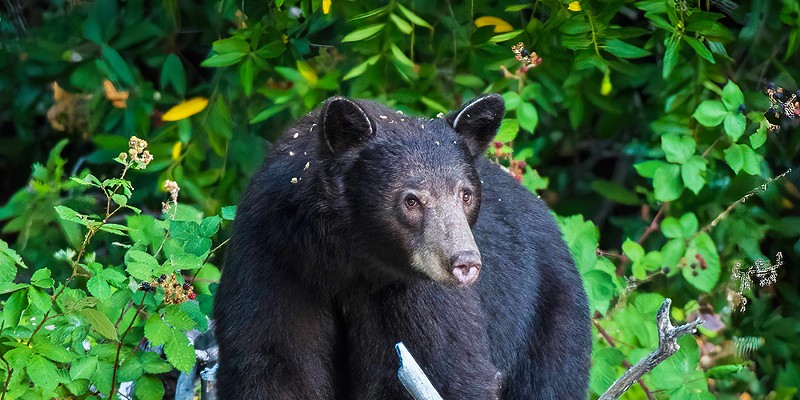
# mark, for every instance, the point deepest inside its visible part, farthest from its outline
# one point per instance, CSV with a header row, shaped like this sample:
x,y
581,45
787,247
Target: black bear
x,y
366,227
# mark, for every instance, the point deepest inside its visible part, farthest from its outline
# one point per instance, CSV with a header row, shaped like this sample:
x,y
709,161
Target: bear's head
x,y
410,185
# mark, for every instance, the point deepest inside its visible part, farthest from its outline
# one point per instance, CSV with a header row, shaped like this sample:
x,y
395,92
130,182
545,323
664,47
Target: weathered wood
x,y
411,376
667,345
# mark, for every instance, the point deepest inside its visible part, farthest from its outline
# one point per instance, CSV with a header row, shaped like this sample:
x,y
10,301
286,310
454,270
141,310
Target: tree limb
x,y
667,345
411,376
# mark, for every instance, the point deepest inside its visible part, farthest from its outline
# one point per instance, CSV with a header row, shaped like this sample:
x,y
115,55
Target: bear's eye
x,y
412,202
467,196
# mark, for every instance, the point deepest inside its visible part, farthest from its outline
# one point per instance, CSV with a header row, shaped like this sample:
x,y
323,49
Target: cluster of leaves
x,y
84,341
644,122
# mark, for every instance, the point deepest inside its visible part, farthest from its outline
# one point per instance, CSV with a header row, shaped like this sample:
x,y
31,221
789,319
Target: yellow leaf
x,y
185,109
326,6
307,72
605,86
176,150
574,6
500,25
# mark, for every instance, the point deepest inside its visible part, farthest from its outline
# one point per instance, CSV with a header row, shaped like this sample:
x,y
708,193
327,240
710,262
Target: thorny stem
x,y
8,378
654,226
75,264
724,214
119,346
625,362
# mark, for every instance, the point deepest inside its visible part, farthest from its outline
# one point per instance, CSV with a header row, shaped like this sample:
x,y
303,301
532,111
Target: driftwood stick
x,y
667,345
411,376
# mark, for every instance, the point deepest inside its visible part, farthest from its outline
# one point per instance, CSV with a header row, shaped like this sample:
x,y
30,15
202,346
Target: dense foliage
x,y
654,128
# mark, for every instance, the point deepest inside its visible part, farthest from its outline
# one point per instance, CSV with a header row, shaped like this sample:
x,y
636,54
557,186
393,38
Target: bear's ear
x,y
477,121
344,124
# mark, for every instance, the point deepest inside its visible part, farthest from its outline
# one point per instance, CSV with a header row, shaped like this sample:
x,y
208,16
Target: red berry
x,y
192,296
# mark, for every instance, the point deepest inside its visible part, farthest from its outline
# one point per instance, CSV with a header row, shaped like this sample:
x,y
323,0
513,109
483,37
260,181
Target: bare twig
x,y
667,345
611,342
411,376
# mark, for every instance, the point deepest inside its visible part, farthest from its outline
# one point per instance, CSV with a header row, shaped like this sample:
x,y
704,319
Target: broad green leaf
x,y
98,287
228,213
671,228
732,96
230,45
43,373
693,173
710,113
527,116
12,309
39,298
704,279
615,192
508,130
401,24
760,137
118,65
141,265
180,353
734,124
82,367
222,60
172,74
688,224
149,387
667,184
157,330
42,279
750,162
633,250
364,33
99,322
672,253
177,318
246,76
677,148
647,169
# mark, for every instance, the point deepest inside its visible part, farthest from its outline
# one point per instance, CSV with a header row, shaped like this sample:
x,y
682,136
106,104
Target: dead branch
x,y
667,345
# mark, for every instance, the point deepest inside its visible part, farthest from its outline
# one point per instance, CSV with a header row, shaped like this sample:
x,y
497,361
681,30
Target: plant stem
x,y
8,378
119,346
625,362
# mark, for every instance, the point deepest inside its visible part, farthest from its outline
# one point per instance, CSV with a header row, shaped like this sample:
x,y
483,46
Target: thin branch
x,y
119,346
655,224
610,341
411,376
667,345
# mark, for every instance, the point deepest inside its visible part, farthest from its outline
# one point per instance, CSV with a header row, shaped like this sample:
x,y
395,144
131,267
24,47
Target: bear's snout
x,y
466,266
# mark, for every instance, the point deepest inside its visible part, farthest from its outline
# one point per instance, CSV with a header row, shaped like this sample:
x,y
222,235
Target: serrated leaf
x,y
508,130
149,387
39,298
157,330
82,367
140,265
180,353
99,322
704,279
42,279
98,287
177,318
120,199
43,373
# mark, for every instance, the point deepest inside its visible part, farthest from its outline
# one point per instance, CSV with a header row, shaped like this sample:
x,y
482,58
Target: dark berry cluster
x,y
783,102
529,59
174,291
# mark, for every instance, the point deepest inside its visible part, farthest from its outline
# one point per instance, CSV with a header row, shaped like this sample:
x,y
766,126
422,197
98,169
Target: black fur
x,y
318,287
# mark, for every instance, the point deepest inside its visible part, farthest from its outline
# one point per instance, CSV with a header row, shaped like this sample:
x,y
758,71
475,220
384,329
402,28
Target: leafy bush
x,y
650,126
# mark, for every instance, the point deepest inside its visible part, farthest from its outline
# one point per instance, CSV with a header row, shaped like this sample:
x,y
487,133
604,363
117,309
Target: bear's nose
x,y
465,266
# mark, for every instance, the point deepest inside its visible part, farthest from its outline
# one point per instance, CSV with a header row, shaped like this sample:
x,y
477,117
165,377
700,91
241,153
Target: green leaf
x,y
734,124
710,113
693,172
624,50
414,18
647,169
177,318
40,299
760,137
732,96
172,74
706,278
677,148
246,76
180,353
12,309
688,224
508,130
671,54
667,183
633,250
149,387
228,213
99,322
140,264
82,367
98,287
361,68
157,330
222,60
120,199
210,225
671,228
527,116
750,163
615,192
42,279
271,49
505,36
364,33
118,65
152,363
230,45
268,113
43,373
699,48
401,24
192,309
